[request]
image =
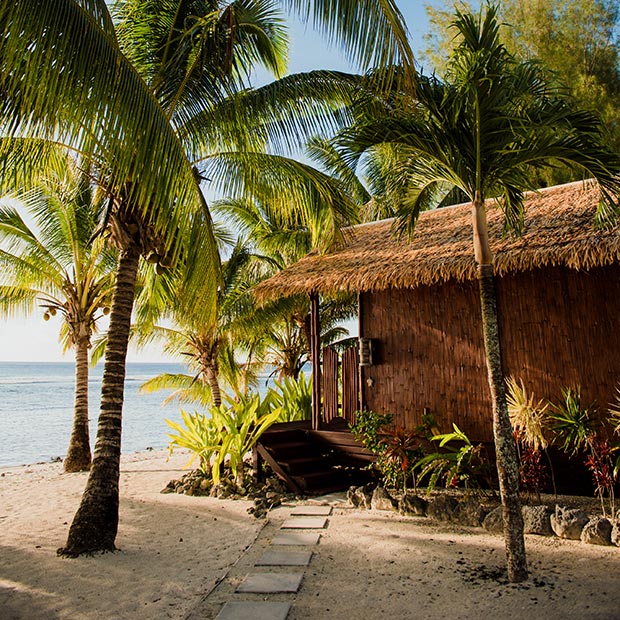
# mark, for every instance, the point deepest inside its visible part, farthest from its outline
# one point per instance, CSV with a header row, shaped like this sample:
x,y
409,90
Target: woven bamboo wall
x,y
558,327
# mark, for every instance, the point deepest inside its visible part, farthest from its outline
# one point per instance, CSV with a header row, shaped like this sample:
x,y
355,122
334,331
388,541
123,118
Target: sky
x,y
33,339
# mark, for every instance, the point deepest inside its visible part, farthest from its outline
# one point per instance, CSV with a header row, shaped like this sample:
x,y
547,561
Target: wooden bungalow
x,y
419,312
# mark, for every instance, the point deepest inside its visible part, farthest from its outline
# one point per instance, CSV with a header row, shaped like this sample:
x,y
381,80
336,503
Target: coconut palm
x,y
279,331
139,100
49,262
208,347
485,129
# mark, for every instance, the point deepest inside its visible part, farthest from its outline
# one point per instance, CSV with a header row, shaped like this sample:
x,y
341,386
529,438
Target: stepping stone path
x,y
311,518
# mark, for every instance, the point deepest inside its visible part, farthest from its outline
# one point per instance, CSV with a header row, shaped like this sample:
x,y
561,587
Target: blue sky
x,y
36,340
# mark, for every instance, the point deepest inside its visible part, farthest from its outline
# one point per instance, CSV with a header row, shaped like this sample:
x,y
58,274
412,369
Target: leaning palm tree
x,y
54,264
485,129
133,99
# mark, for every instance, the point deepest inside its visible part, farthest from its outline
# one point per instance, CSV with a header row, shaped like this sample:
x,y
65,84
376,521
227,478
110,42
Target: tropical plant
x,y
199,434
401,450
294,398
486,129
397,450
244,421
367,429
208,347
572,423
529,418
279,331
576,39
530,423
139,100
229,431
49,260
583,430
455,465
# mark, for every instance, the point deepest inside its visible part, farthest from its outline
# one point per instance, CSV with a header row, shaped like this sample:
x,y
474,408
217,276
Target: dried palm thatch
x,y
559,231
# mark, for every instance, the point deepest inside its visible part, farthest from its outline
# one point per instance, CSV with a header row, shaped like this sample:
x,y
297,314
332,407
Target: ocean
x,y
36,410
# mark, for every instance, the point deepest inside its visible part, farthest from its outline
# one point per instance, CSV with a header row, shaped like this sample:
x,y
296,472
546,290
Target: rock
x,y
361,497
412,505
537,520
382,500
494,521
204,484
443,508
352,496
469,512
568,523
615,533
597,532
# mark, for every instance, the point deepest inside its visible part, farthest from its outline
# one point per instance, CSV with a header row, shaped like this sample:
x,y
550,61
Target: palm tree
x,y
485,130
56,267
207,347
279,331
139,100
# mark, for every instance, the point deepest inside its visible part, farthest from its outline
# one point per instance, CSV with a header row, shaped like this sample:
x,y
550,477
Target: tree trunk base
x,y
76,462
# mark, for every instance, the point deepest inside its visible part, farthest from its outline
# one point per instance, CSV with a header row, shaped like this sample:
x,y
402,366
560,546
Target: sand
x,y
369,565
173,548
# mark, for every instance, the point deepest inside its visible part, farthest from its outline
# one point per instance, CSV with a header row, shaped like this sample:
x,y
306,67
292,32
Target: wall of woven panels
x,y
558,327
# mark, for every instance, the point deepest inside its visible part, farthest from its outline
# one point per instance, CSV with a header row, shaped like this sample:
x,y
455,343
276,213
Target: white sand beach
x,y
174,549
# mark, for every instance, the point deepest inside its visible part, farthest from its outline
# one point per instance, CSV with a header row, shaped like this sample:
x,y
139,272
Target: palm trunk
x,y
505,448
95,524
78,453
216,394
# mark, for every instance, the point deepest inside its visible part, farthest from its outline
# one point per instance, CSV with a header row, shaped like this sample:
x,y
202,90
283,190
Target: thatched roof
x,y
559,230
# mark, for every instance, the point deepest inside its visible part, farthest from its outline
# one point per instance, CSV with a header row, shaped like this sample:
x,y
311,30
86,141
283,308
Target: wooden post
x,y
315,355
360,334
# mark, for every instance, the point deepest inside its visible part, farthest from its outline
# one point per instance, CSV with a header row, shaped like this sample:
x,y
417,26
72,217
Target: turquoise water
x,y
36,410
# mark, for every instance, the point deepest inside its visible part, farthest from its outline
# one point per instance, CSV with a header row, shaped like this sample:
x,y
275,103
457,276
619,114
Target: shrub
x,y
294,397
229,431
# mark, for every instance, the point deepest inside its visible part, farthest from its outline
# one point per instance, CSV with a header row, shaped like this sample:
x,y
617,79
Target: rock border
x,y
467,510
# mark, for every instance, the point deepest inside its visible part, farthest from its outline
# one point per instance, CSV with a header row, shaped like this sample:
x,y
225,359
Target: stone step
x,y
256,610
270,583
305,523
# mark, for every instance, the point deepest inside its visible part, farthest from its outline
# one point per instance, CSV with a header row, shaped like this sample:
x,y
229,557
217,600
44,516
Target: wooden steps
x,y
313,462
